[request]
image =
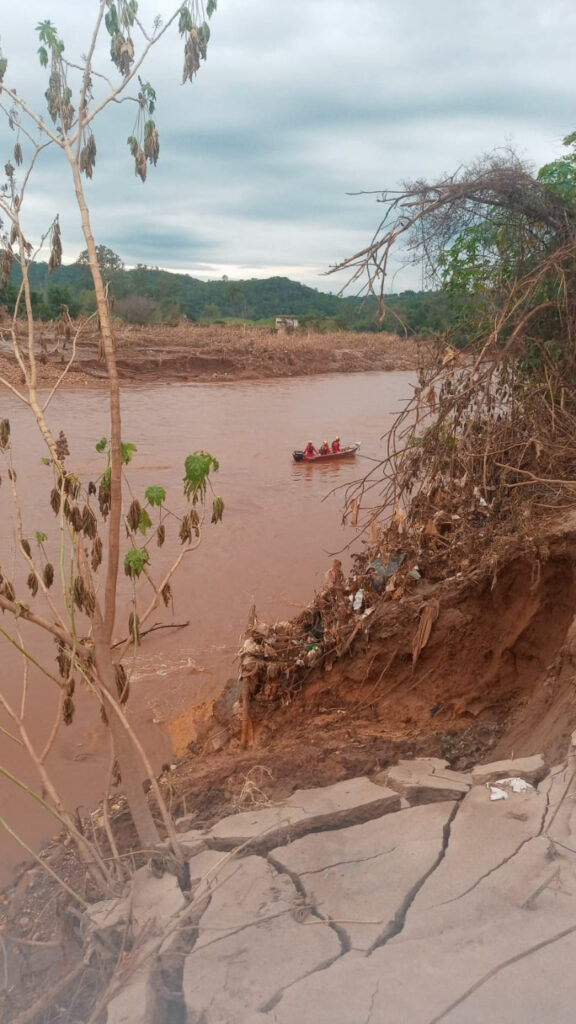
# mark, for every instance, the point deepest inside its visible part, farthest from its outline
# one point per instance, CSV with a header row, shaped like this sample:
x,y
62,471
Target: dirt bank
x,y
190,352
496,673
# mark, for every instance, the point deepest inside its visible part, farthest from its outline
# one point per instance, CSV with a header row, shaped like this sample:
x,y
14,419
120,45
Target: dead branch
x,y
151,629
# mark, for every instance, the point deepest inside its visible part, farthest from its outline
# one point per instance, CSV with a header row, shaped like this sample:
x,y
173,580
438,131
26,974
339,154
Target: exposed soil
x,y
189,352
495,676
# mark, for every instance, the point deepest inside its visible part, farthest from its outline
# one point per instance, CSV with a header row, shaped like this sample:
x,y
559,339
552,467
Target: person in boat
x,y
336,444
310,450
324,448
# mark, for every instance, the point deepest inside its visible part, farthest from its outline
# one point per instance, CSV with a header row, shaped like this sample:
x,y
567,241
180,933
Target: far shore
x,y
190,352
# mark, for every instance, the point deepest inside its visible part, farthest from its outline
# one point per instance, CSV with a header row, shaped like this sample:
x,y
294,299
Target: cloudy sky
x,y
300,103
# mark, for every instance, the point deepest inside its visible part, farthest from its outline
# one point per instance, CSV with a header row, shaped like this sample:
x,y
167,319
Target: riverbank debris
x,y
276,659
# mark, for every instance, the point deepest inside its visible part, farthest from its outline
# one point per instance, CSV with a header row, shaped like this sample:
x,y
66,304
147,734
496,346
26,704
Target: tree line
x,y
148,295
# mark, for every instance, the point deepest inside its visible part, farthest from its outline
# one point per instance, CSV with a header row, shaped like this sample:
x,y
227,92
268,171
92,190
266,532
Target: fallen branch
x,y
151,629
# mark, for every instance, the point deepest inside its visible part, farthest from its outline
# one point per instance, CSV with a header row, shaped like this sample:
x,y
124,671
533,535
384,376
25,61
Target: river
x,y
282,523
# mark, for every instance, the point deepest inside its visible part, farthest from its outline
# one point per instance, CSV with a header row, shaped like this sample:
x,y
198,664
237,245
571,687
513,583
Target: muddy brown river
x,y
282,523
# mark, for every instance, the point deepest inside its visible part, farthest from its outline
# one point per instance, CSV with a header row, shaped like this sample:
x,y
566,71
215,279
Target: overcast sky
x,y
300,103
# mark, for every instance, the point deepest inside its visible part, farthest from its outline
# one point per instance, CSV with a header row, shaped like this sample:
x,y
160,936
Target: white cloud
x,y
298,104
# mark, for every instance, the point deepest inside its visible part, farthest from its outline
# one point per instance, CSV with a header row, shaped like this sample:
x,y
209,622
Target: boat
x,y
347,451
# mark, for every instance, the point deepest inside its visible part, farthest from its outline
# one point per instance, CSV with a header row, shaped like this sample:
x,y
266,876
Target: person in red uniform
x,y
310,450
336,444
324,448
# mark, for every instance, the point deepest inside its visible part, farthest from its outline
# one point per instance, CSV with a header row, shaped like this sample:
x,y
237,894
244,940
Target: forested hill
x,y
148,295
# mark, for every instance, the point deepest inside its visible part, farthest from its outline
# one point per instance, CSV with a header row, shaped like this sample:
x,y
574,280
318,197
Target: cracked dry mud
x,y
460,910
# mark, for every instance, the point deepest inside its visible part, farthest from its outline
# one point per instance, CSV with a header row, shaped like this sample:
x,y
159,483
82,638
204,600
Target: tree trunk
x,y
103,625
115,517
128,761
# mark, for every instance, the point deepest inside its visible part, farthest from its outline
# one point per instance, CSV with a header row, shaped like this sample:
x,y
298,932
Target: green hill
x,y
148,295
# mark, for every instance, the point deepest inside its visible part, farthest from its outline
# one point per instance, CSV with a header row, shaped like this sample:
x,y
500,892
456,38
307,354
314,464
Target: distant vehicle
x,y
287,323
347,451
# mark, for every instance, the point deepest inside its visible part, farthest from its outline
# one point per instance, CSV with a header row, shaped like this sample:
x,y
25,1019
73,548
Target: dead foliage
x,y
487,443
426,217
189,352
485,448
251,793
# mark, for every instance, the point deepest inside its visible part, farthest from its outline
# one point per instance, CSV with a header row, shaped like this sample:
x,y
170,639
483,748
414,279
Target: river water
x,y
282,524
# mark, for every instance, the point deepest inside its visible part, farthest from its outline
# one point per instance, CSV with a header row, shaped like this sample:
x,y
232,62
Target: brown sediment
x,y
188,352
494,668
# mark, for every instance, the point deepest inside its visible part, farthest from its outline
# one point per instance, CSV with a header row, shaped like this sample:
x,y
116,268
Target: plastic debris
x,y
378,572
377,566
497,794
481,500
392,565
358,600
515,784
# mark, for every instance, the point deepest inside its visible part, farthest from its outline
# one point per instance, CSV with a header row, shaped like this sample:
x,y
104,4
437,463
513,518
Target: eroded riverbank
x,y
189,352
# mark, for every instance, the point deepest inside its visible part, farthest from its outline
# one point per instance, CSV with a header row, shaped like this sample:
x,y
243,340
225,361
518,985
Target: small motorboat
x,y
347,451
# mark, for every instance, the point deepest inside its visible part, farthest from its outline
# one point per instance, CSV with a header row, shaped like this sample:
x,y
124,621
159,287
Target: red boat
x,y
346,451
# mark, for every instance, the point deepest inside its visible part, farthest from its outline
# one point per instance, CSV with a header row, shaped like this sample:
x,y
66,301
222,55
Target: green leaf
x,y
144,522
47,33
197,467
43,56
106,477
185,24
155,495
211,7
127,451
146,97
3,67
45,461
204,37
40,537
135,560
101,444
111,20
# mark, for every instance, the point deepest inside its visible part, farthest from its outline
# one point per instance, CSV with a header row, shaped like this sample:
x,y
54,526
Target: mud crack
x,y
396,925
501,967
505,860
343,937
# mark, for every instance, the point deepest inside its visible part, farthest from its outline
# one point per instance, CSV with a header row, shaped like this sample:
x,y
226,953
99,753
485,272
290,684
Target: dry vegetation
x,y
254,352
189,352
